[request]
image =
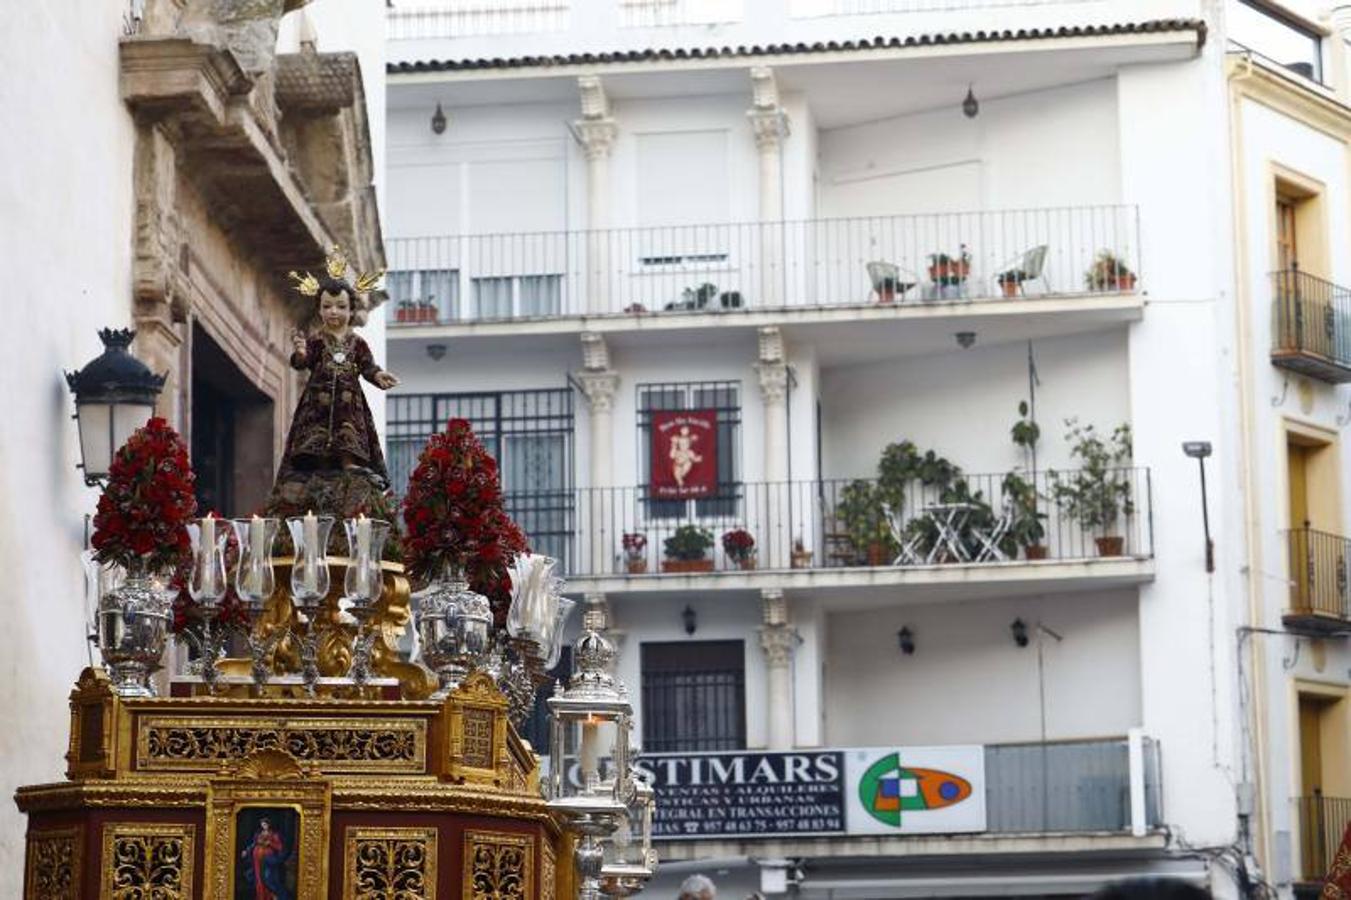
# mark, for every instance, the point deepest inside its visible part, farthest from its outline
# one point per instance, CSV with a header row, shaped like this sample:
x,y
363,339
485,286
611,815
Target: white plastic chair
x,y
1032,265
881,273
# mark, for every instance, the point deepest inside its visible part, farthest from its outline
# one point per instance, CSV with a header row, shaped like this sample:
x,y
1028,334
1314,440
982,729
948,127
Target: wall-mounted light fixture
x,y
691,620
436,351
439,120
1019,631
905,638
114,395
1199,450
965,339
970,106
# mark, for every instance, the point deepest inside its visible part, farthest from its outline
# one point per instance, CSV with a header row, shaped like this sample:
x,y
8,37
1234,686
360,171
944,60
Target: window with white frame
x,y
517,296
436,291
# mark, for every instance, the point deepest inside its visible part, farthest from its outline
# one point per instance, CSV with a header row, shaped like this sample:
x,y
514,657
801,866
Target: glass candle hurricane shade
x,y
207,583
366,545
254,578
309,573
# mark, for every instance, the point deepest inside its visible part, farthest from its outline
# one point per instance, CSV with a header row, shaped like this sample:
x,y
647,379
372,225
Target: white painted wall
x,y
969,683
962,403
64,283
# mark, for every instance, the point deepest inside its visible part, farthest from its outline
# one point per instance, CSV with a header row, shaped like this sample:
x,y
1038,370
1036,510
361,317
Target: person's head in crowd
x,y
698,887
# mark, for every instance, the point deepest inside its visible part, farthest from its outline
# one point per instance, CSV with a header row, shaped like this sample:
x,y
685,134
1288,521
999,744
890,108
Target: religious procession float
x,y
343,719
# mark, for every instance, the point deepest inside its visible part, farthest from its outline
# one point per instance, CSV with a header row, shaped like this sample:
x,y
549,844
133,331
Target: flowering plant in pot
x,y
635,552
456,520
1020,493
801,556
739,545
1109,273
949,271
1099,492
687,550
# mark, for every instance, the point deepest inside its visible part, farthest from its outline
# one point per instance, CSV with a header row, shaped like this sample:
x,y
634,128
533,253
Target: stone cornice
x,y
1249,78
164,76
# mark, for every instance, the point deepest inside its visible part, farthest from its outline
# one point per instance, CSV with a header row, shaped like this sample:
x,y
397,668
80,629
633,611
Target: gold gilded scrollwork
x,y
53,866
143,861
497,865
390,864
478,738
548,872
182,743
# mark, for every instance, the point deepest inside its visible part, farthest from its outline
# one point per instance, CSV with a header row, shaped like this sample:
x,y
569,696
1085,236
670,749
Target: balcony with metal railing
x,y
1311,326
1320,572
1059,261
1322,824
1070,526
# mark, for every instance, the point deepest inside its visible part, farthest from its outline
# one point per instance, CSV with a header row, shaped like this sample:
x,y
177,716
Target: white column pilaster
x,y
596,131
775,534
779,640
769,124
598,529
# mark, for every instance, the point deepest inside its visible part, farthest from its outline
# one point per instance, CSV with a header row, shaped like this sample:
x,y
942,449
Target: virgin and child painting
x,y
265,852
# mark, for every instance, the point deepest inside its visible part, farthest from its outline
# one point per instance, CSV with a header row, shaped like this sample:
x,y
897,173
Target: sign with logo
x,y
684,454
715,795
915,790
890,790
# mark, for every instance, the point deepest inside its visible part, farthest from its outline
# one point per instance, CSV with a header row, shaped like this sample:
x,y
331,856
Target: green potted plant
x,y
950,271
801,556
863,516
1099,492
687,550
739,545
1020,493
1109,273
403,312
425,311
1011,281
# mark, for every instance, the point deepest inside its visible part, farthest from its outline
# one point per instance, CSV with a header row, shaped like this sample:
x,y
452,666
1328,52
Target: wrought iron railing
x,y
1312,316
1320,574
476,18
976,519
818,8
1322,824
1071,786
726,268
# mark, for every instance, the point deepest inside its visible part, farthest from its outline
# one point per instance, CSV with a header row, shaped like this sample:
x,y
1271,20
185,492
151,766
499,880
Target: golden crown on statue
x,y
337,267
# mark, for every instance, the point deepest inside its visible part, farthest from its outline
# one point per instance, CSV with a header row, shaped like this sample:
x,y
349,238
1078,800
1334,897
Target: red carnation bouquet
x,y
454,517
148,501
738,544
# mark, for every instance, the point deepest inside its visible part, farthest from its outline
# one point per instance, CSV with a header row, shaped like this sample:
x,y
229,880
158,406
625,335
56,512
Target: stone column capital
x,y
779,643
597,137
773,381
773,606
600,388
770,127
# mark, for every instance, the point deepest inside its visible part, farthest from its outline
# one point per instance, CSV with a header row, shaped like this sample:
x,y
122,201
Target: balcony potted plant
x,y
425,311
687,549
1025,525
1099,492
863,516
1108,273
635,552
1010,282
948,272
801,557
739,545
403,312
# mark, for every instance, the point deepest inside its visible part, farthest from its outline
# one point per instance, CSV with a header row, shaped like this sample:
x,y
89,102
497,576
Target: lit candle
x,y
310,568
363,560
208,558
590,752
257,532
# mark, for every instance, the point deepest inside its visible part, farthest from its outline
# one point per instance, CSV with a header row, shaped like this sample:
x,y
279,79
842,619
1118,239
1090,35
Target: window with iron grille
x,y
724,398
694,696
530,435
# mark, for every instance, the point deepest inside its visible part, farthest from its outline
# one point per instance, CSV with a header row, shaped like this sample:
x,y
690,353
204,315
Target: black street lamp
x,y
114,395
1199,450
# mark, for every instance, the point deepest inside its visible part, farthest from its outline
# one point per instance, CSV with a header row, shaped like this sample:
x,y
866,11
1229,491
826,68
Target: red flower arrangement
x,y
635,542
738,544
148,501
454,517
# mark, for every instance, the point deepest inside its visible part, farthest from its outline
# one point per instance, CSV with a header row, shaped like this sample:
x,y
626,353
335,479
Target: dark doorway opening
x,y
231,432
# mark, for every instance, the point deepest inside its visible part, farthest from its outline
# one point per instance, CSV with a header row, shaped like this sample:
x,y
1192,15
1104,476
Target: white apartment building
x,y
813,230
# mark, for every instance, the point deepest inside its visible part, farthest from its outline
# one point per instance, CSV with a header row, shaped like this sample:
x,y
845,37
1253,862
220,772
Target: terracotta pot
x,y
1126,283
681,566
747,564
426,314
802,559
1010,289
1035,551
886,295
1114,545
401,315
636,566
877,555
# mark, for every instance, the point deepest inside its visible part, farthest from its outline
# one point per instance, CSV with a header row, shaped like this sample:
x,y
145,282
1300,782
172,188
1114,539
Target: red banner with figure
x,y
684,454
1338,883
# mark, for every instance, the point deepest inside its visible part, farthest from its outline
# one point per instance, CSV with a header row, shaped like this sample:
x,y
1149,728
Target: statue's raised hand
x,y
384,380
298,342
